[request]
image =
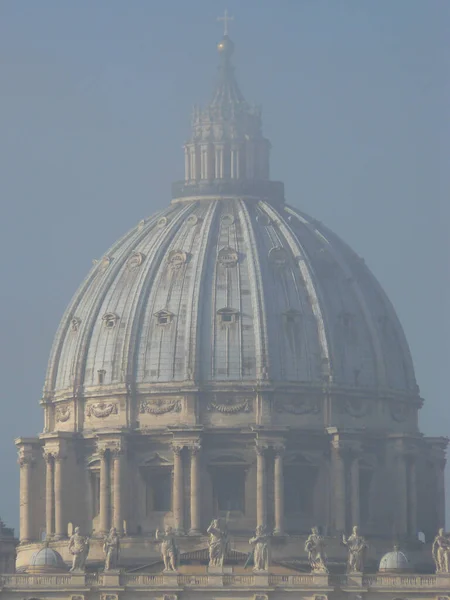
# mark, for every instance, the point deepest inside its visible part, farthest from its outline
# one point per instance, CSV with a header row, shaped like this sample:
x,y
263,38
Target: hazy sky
x,y
96,99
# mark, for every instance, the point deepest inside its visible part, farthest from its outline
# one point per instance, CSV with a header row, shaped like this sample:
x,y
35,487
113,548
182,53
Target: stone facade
x,y
232,359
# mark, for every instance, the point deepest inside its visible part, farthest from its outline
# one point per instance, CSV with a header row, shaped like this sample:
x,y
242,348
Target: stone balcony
x,y
423,586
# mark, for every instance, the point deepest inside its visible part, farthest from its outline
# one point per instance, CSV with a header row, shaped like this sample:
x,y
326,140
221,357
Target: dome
x,y
228,286
394,562
46,560
230,291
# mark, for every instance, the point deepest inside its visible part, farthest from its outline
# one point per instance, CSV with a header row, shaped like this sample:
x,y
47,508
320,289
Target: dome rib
x,y
195,303
373,334
303,262
259,309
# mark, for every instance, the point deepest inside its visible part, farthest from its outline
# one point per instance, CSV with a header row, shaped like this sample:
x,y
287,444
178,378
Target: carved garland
x,y
231,408
299,406
101,410
159,406
356,407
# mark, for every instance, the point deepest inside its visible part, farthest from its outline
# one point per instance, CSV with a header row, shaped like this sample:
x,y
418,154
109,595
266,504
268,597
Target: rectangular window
x,y
299,484
159,491
229,489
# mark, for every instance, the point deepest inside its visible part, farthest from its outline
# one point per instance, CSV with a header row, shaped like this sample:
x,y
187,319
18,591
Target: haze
x,y
95,106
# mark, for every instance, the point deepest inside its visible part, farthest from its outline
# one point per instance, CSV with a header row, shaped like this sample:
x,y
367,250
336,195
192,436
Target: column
x,y
339,487
401,524
440,492
104,491
187,165
261,483
117,490
354,490
26,463
58,481
178,489
279,490
196,505
412,497
193,162
49,495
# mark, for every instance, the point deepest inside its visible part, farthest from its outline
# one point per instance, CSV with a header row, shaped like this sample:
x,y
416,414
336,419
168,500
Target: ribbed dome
x,y
395,561
46,560
229,290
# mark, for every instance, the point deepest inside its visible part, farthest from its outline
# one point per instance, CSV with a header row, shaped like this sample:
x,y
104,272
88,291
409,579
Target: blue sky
x,y
95,106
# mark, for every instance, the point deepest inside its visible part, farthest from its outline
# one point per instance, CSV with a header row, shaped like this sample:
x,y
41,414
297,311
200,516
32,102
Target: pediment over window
x,y
164,317
155,460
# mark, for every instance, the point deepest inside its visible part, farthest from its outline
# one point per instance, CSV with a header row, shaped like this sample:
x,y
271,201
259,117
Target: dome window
x,y
164,317
291,316
227,316
75,323
227,257
110,320
101,376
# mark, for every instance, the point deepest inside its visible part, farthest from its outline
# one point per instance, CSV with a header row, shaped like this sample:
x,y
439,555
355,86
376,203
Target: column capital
x,y
279,449
261,448
194,448
177,447
118,449
25,456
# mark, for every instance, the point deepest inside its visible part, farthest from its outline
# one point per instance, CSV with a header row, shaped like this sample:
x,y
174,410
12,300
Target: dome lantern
x,y
227,152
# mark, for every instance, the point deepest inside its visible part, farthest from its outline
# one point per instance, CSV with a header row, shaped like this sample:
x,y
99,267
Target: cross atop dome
x,y
226,18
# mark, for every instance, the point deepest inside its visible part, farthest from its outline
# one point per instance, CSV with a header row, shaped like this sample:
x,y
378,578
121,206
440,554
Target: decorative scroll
x,y
62,414
298,406
103,264
159,406
100,410
176,259
135,261
110,320
230,405
75,323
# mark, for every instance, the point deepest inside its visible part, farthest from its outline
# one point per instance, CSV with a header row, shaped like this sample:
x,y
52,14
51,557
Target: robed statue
x,y
441,552
357,549
169,548
218,543
315,547
111,549
79,549
261,550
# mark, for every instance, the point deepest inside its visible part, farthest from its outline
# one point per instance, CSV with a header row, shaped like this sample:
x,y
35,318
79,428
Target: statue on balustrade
x,y
441,552
111,548
357,549
169,549
79,548
218,543
315,547
261,542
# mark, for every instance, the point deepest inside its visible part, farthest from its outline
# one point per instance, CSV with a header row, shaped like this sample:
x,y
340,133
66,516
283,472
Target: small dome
x,y
394,562
46,560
